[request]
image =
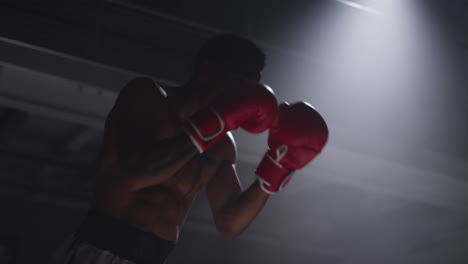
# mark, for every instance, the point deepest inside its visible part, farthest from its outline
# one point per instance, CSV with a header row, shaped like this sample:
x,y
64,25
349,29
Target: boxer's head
x,y
229,54
220,60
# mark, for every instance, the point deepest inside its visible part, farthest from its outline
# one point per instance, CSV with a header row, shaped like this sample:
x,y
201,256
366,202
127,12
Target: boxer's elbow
x,y
229,229
228,233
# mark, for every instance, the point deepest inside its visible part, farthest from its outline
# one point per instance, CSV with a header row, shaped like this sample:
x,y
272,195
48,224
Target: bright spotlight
x,y
359,6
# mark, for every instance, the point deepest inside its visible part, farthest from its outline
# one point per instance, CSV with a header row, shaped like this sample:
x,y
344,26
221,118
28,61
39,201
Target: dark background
x,y
391,81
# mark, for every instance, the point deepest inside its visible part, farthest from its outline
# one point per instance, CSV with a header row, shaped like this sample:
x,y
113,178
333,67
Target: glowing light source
x,y
359,6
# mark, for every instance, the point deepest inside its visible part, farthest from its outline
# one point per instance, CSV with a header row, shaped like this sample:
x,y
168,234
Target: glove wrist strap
x,y
205,128
272,175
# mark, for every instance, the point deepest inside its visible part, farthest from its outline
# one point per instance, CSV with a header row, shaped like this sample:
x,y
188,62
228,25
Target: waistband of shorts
x,y
123,240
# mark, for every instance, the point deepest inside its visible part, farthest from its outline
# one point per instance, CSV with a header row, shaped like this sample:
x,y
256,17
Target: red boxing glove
x,y
246,104
296,138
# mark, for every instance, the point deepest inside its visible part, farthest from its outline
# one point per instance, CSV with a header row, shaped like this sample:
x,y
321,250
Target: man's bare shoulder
x,y
141,88
140,100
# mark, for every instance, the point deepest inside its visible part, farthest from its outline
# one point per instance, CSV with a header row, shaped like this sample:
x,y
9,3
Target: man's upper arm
x,y
139,99
224,187
147,136
136,118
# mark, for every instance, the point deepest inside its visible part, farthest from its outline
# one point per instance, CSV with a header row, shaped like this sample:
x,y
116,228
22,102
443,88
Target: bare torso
x,y
162,208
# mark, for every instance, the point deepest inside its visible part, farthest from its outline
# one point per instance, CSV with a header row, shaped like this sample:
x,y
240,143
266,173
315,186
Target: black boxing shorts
x,y
104,240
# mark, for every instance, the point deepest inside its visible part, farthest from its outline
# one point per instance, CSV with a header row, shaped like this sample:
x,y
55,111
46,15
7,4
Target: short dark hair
x,y
233,53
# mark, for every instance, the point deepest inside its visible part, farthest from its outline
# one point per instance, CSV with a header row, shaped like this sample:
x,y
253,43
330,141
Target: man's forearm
x,y
243,210
162,160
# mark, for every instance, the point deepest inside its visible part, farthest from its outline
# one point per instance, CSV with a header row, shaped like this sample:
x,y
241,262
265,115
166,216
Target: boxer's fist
x,y
244,103
296,138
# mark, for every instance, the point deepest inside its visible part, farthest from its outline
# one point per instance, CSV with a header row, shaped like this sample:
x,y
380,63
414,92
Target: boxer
x,y
162,145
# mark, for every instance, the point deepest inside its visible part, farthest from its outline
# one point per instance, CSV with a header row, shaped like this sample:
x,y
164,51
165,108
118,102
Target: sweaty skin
x,y
149,172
